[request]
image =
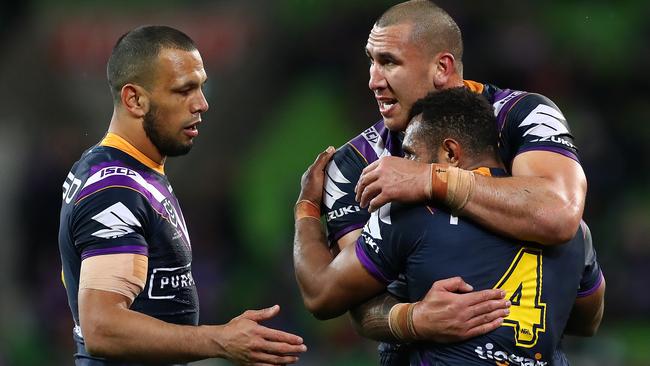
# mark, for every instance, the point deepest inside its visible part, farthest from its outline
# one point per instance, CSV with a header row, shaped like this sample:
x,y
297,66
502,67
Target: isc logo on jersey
x,y
547,124
116,170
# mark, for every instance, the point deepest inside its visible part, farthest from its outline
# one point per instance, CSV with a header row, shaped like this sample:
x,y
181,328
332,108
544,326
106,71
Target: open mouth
x,y
387,106
192,130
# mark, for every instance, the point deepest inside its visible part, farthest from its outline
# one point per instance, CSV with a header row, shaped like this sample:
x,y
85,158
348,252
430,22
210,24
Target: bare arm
x,y
587,313
114,331
449,312
542,202
330,286
370,319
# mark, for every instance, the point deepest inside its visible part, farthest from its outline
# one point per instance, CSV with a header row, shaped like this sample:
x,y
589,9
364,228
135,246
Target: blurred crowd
x,y
287,79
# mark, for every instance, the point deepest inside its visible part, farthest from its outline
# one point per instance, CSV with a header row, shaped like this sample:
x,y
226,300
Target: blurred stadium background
x,y
288,78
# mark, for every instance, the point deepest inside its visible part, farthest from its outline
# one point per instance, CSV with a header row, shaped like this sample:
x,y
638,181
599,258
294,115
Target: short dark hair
x,y
433,28
460,114
133,59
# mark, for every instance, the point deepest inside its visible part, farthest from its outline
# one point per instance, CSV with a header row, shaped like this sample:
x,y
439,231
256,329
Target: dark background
x,y
287,79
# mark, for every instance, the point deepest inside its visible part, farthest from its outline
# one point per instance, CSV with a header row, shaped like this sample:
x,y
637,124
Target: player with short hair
x,y
415,47
125,247
426,244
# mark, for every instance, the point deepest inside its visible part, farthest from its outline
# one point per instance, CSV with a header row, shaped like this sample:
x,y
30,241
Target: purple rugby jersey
x,y
525,121
115,202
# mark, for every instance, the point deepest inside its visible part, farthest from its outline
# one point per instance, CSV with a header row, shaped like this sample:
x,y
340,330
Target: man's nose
x,y
200,104
377,79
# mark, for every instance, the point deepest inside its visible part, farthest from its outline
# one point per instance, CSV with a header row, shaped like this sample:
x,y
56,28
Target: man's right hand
x,y
245,342
393,179
451,312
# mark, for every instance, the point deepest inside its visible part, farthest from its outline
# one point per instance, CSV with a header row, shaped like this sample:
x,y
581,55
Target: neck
x,y
480,162
455,81
130,129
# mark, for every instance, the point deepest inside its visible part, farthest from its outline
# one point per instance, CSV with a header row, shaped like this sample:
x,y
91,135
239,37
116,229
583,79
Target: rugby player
x,y
415,47
453,128
125,247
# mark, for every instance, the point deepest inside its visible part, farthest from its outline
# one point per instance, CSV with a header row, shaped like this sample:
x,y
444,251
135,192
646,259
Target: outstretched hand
x,y
312,180
393,179
246,342
451,312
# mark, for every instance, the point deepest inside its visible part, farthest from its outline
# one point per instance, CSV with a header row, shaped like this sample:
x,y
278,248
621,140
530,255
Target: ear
x,y
453,152
445,68
135,100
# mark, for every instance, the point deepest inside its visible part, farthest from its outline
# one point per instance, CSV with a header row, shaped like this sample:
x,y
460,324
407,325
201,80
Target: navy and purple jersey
x,y
525,121
116,200
424,245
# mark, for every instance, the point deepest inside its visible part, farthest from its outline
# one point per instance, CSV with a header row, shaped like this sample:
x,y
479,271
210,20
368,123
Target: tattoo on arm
x,y
371,317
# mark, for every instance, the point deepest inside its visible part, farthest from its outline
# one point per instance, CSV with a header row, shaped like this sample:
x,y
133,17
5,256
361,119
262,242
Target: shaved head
x,y
433,28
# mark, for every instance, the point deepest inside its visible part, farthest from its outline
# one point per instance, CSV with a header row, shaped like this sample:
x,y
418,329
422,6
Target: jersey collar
x,y
491,172
474,86
117,142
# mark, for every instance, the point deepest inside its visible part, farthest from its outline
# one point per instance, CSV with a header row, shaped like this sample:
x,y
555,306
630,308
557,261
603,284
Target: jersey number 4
x,y
522,283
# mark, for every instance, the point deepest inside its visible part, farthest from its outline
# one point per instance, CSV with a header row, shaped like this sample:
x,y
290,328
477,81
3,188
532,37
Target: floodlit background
x,y
288,78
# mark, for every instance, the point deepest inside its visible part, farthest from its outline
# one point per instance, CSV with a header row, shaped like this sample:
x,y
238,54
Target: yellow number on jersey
x,y
522,283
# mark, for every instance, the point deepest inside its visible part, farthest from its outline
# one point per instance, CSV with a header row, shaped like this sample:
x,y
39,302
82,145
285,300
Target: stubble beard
x,y
166,145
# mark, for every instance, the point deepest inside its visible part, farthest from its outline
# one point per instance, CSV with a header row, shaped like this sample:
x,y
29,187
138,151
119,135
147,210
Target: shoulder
x,y
517,108
401,223
108,175
376,141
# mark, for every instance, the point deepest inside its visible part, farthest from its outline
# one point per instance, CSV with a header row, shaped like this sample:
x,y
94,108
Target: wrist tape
x,y
400,322
306,208
451,185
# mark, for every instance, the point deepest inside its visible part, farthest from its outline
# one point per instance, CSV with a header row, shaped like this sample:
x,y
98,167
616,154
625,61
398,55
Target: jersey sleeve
x,y
533,122
386,241
111,221
342,212
592,276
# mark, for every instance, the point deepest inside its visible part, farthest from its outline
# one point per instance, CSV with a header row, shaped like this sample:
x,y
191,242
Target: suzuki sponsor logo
x,y
340,212
555,139
370,242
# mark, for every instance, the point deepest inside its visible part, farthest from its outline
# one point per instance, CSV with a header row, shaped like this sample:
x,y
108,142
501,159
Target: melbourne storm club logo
x,y
171,212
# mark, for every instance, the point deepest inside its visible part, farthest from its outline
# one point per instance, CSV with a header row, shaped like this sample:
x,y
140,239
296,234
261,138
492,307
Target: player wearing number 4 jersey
x,y
553,290
415,47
